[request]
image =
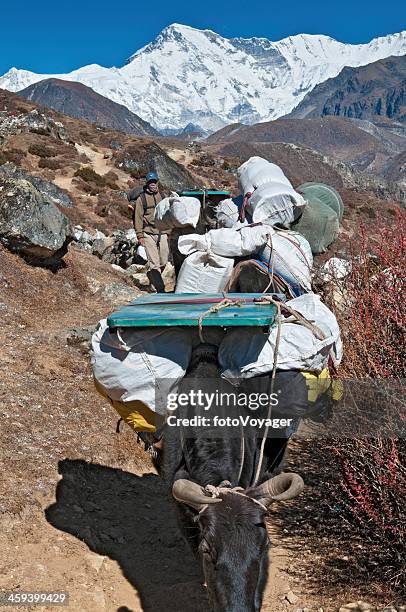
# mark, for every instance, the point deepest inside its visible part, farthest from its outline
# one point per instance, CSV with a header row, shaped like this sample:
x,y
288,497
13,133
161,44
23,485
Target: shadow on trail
x,y
130,519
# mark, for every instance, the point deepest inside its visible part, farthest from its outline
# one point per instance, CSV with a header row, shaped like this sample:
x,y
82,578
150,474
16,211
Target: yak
x,y
221,514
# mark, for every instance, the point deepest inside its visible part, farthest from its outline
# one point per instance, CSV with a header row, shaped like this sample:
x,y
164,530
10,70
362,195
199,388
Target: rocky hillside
x,y
93,167
396,168
367,92
85,171
203,78
361,144
79,101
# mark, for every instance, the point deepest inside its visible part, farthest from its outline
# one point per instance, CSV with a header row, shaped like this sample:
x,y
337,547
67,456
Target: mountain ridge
x,y
81,102
203,78
366,92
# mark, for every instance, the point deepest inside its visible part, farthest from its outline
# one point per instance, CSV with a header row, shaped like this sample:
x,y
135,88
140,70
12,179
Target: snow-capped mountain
x,y
187,75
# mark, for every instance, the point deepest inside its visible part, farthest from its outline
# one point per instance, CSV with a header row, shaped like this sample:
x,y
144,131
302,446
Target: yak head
x,y
233,538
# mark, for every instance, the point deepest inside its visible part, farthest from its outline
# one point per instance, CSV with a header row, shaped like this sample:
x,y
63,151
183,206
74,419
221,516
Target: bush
x,y
40,131
41,150
90,176
372,491
374,320
12,155
51,164
110,180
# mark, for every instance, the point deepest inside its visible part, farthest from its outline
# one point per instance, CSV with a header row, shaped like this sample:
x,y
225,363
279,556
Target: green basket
x,y
326,194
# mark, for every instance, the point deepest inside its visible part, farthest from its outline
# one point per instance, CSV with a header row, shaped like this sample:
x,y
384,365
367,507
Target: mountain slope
x,y
81,102
359,143
196,76
368,92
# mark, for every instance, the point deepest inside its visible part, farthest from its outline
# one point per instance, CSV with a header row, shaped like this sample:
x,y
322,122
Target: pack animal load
x,y
210,257
302,346
227,213
177,212
130,364
268,194
144,348
283,255
288,255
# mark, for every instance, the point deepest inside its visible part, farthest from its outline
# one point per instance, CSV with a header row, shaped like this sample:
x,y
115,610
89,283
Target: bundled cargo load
x,y
204,272
226,213
268,195
320,220
245,352
131,365
177,212
227,242
288,254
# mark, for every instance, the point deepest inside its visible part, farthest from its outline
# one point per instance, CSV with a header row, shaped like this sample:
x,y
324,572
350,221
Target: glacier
x,y
196,76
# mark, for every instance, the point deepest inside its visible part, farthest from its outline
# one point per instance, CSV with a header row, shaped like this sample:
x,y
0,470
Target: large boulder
x,y
139,159
49,190
31,225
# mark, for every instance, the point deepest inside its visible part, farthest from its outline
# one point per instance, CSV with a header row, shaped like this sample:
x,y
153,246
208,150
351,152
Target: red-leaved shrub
x,y
371,311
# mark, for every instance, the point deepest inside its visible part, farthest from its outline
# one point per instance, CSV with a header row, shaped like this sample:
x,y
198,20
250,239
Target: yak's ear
x,y
279,488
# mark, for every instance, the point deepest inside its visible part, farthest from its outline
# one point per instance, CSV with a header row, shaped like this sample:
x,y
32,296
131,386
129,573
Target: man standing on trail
x,y
154,241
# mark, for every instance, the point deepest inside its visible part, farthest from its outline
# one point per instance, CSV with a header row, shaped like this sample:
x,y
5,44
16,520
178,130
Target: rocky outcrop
x,y
51,192
31,225
118,249
33,121
139,159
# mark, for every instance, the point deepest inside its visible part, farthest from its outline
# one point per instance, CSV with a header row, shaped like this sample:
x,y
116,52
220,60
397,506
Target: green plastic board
x,y
208,193
166,310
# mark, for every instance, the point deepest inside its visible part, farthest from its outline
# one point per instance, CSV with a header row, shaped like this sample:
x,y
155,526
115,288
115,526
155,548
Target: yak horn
x,y
192,494
280,488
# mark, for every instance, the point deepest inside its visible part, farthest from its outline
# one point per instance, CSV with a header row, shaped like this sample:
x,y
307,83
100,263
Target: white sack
x,y
273,198
227,213
246,352
257,171
133,364
275,203
227,242
290,256
177,211
141,252
203,272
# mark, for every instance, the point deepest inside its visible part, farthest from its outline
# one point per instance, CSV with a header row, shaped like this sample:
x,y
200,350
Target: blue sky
x,y
46,36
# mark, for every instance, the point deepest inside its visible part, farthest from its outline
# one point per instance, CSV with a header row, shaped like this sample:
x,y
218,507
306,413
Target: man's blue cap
x,y
151,176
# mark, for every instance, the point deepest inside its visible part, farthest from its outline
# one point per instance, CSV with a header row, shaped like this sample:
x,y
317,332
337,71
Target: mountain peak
x,y
187,75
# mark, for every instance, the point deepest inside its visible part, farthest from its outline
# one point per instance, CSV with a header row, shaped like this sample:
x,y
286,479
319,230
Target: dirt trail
x,y
99,163
181,156
109,537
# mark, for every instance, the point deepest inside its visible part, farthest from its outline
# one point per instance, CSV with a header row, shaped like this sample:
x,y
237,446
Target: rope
x,y
270,265
214,492
214,309
275,361
242,455
296,317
